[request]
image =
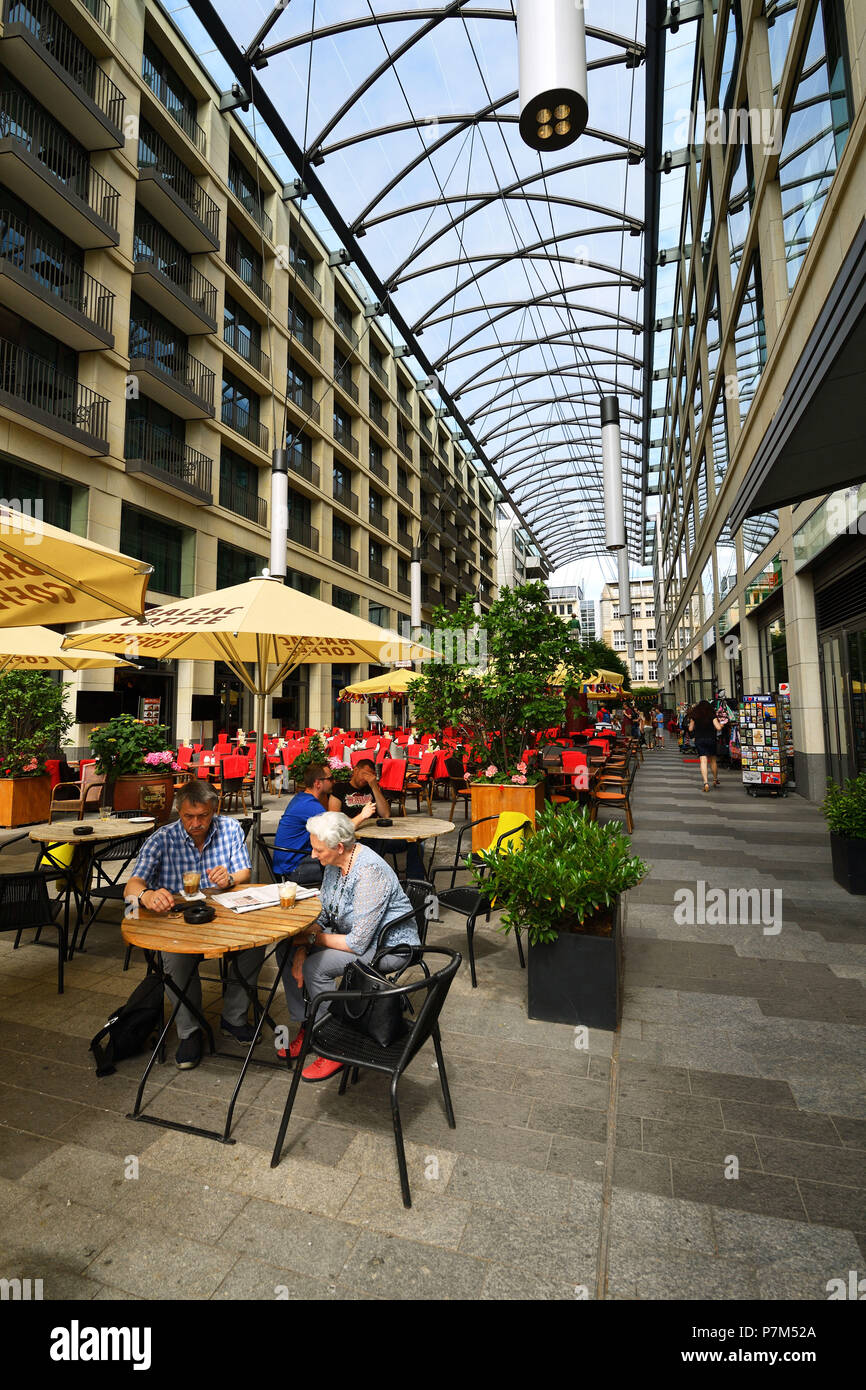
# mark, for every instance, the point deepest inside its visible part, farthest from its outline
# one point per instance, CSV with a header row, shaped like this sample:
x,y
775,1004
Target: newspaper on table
x,y
266,895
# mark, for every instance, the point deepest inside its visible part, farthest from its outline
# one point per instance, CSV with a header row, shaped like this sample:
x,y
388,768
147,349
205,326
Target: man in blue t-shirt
x,y
292,843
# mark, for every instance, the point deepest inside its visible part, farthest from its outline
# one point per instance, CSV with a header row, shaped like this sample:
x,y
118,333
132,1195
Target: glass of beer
x,y
288,893
191,883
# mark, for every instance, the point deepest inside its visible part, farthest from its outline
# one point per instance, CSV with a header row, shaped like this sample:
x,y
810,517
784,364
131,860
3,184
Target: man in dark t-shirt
x,y
351,797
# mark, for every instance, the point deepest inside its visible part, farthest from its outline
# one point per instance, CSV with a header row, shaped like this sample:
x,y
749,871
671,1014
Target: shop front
x,y
149,693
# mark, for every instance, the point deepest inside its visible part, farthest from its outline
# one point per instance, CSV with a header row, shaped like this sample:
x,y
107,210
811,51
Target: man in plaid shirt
x,y
204,843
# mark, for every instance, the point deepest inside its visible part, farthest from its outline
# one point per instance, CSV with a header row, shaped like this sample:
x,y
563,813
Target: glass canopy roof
x,y
513,278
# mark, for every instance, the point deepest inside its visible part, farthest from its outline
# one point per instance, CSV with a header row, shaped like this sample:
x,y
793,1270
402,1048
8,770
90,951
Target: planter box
x,y
153,794
490,800
849,863
24,800
578,979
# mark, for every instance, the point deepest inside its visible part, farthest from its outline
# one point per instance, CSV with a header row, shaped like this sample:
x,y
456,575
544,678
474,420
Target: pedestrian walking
x,y
705,726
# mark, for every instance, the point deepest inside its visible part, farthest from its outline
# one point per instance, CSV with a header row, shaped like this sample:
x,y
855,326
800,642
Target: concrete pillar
x,y
801,634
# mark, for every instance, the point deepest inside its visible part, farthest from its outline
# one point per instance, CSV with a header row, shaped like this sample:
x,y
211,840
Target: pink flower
x,y
521,767
467,777
517,778
490,771
335,762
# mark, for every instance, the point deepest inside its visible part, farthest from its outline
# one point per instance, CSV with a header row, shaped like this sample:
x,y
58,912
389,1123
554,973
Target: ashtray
x,y
82,829
383,820
198,913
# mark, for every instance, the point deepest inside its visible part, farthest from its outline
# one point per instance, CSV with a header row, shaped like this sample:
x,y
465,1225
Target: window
x,y
719,435
750,339
236,566
740,194
239,480
343,598
162,80
713,335
376,502
376,458
343,317
618,639
299,386
638,670
774,654
242,332
243,184
342,423
20,487
649,638
649,612
300,321
615,614
153,540
245,261
380,615
341,535
652,673
304,583
377,362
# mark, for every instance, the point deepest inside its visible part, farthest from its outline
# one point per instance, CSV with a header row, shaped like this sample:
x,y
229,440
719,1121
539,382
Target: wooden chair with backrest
x,y
78,796
614,791
458,785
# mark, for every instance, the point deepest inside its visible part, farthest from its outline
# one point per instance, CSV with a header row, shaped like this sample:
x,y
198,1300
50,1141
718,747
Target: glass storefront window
x,y
841,512
750,340
774,654
757,532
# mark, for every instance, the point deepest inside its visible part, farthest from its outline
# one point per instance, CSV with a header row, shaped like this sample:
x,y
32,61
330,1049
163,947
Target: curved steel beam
x,y
466,118
584,287
538,340
512,306
545,401
526,377
521,344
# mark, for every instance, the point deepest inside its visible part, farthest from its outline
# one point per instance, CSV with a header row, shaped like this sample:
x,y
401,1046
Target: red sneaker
x,y
320,1070
293,1049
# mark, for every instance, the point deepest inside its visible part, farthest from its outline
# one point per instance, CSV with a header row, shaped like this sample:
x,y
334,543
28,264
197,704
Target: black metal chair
x,y
106,883
472,902
266,854
331,1038
24,902
462,862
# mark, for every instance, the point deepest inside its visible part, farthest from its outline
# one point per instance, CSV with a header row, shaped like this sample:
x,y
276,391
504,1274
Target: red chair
x,y
392,779
420,782
233,770
358,754
52,767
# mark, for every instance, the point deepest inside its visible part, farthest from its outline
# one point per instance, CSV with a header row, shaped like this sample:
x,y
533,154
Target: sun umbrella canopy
x,y
262,621
50,576
392,686
40,649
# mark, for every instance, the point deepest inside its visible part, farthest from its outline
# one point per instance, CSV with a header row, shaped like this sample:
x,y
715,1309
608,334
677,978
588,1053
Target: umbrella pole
x,y
258,783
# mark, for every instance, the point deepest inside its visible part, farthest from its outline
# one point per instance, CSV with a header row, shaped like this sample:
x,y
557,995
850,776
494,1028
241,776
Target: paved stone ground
x,y
572,1173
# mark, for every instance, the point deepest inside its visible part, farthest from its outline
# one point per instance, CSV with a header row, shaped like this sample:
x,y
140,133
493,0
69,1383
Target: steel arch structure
x,y
517,270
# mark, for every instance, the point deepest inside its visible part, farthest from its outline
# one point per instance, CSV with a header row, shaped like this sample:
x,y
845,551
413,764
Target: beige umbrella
x,y
262,621
50,576
40,649
392,686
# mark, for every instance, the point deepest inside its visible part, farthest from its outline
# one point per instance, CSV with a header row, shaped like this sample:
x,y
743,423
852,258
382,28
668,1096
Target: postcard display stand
x,y
762,745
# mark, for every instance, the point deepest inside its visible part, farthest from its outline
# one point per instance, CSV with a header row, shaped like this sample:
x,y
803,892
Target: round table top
x,y
229,931
63,832
405,828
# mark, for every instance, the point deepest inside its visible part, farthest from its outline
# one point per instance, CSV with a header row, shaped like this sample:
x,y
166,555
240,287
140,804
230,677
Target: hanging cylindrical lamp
x,y
551,55
279,512
611,454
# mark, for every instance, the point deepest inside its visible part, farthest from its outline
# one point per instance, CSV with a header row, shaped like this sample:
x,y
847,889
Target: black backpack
x,y
132,1028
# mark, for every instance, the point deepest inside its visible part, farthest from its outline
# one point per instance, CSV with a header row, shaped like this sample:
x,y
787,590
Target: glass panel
x,y
708,597
750,340
713,335
726,562
740,194
719,436
857,673
780,21
757,532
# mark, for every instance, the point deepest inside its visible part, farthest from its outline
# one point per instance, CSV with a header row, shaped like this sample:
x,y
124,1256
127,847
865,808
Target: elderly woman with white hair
x,y
361,894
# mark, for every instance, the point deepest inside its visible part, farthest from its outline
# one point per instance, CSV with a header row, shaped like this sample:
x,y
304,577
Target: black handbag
x,y
380,1013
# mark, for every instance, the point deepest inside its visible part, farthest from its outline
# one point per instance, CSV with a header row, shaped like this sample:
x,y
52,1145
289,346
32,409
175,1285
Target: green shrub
x,y
34,722
845,808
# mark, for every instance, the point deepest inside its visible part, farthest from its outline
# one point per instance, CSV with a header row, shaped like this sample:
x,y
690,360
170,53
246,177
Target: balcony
x,y
306,340
155,453
346,556
404,586
302,533
179,114
48,58
380,373
404,538
452,570
34,388
40,164
346,439
404,403
303,466
405,493
380,573
168,281
173,376
345,496
404,443
50,291
344,383
243,423
173,196
379,520
346,331
431,560
251,204
305,275
379,420
430,596
380,471
241,343
243,502
248,275
426,431
434,474
303,399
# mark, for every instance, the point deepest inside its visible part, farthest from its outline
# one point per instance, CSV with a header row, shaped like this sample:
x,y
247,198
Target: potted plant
x,y
34,722
564,888
316,752
138,767
845,811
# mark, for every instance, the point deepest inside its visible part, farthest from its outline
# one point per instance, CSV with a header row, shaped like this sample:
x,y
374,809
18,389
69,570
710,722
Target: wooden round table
x,y
412,828
78,872
229,933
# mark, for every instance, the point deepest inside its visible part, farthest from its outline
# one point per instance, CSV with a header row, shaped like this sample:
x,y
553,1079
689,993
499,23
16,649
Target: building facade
x,y
566,601
644,669
754,431
167,318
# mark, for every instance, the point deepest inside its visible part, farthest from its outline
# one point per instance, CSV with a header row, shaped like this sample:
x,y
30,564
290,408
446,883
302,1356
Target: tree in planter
x,y
34,722
564,878
316,753
500,704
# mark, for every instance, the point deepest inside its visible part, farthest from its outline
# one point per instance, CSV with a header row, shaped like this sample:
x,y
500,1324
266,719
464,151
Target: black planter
x,y
578,979
849,863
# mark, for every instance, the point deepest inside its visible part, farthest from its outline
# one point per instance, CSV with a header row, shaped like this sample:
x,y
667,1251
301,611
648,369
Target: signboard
x,y
148,710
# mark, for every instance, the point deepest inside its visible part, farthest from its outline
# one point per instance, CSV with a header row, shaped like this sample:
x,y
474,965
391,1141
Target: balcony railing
x,y
247,349
452,570
434,475
48,143
403,586
50,269
154,153
252,204
250,276
303,465
101,12
405,493
346,384
346,496
151,245
345,555
379,520
304,273
378,416
404,444
346,438
345,329
243,502
302,533
31,381
164,95
171,360
67,50
306,339
404,538
430,596
165,454
379,372
380,470
379,573
243,423
426,431
303,399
